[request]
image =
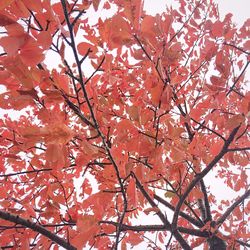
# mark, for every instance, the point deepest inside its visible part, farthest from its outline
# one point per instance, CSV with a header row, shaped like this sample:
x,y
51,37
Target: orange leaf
x,y
11,44
83,47
44,39
5,20
123,245
96,4
155,92
5,3
166,95
216,147
132,193
133,112
151,209
217,29
234,121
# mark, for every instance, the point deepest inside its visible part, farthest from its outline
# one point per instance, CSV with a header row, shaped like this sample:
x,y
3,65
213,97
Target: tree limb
x,y
202,174
37,228
232,207
182,214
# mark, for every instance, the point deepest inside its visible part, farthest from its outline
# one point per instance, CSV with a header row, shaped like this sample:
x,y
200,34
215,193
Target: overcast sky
x,y
239,8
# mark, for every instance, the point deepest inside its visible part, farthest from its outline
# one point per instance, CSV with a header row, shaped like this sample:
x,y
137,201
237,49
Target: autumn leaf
x,y
151,209
5,20
83,48
217,29
12,44
96,4
234,121
5,3
132,193
54,134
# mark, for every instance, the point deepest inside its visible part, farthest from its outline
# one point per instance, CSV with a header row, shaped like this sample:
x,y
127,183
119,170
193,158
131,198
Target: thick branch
x,y
202,174
150,200
163,218
206,202
182,214
157,228
242,243
232,207
35,227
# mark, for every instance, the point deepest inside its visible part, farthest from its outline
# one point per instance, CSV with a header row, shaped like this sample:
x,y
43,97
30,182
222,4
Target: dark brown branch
x,y
165,221
78,112
242,243
157,228
78,16
232,207
185,23
209,129
96,70
238,48
96,125
26,172
12,246
150,200
238,78
182,214
148,56
145,163
238,149
37,228
206,202
202,174
85,56
36,21
70,224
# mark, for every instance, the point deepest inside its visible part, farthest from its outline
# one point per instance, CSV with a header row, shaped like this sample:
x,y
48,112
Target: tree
x,y
136,119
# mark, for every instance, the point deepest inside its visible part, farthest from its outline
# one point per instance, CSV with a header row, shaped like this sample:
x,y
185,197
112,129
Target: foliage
x,y
129,117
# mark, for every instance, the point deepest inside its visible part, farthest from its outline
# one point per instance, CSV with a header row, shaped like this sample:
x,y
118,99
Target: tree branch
x,y
157,228
96,125
232,207
150,200
37,228
238,48
182,214
206,202
238,149
26,172
238,78
163,218
202,174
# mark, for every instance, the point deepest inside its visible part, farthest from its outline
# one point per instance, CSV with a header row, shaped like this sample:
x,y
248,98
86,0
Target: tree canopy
x,y
123,125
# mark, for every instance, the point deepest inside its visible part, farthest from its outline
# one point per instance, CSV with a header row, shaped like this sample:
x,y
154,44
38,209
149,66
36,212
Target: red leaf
x,y
96,4
5,3
151,209
217,29
83,48
132,193
5,20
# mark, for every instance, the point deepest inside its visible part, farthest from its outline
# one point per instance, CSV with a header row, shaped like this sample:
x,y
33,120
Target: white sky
x,y
239,8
